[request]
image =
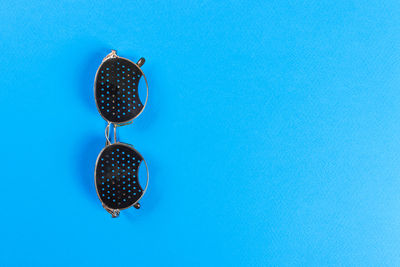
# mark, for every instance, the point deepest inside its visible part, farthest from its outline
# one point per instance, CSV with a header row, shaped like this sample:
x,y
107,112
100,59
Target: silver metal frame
x,y
115,212
140,63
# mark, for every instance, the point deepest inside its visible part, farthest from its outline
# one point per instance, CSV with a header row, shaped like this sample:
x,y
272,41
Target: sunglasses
x,y
117,100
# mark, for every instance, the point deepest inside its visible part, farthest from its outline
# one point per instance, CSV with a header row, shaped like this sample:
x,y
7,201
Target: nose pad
x,y
142,92
142,175
143,178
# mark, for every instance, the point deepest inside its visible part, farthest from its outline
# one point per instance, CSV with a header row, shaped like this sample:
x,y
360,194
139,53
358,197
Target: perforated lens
x,y
116,90
117,180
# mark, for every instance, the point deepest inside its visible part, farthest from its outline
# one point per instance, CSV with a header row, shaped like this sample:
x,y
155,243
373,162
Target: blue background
x,y
271,133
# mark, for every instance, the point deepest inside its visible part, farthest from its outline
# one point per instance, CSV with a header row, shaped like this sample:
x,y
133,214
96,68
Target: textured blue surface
x,y
271,133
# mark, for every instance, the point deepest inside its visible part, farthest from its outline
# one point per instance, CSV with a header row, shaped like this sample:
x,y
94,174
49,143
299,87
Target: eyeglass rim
x,y
122,123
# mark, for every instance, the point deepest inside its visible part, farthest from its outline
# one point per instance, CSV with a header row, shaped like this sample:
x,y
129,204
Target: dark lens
x,y
116,90
117,181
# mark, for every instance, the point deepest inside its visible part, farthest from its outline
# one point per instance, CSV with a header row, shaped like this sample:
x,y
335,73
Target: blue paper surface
x,y
271,133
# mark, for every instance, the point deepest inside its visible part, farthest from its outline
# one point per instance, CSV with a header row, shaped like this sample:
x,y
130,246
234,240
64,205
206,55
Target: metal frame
x,y
115,212
140,63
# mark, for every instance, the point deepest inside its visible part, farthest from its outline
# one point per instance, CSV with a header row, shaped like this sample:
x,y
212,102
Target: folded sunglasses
x,y
117,100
